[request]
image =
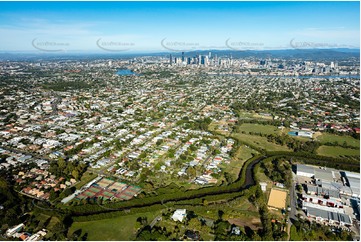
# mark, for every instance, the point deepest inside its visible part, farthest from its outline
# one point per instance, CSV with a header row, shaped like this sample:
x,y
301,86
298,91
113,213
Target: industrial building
x,y
307,171
331,218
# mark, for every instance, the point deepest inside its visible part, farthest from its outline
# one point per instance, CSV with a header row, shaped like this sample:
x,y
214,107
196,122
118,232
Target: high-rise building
x,y
206,60
209,55
170,59
189,60
182,56
203,60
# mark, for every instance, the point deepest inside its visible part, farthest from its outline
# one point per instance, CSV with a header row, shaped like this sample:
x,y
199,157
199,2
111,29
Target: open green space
x,y
259,128
261,177
336,151
260,142
243,153
325,138
87,177
253,115
215,126
119,228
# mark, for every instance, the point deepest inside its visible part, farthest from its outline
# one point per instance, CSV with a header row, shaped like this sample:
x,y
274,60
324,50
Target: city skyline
x,y
131,27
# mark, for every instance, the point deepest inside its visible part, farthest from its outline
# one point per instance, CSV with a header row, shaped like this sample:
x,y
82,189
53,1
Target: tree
x,y
61,163
75,174
191,172
53,195
195,224
229,178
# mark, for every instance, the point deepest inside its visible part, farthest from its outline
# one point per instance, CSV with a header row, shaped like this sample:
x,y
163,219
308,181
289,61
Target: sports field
x,y
259,128
277,199
120,228
337,151
324,138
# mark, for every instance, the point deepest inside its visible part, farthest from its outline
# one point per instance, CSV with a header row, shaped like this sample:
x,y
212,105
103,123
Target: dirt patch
x,y
316,134
254,223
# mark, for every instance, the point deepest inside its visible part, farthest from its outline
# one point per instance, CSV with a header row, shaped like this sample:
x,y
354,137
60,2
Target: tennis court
x,y
118,186
94,189
105,182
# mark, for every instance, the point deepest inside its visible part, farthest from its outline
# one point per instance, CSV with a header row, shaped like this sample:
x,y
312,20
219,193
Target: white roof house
x,y
263,186
179,215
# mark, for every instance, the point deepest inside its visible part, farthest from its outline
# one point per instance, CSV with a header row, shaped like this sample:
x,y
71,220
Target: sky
x,y
177,26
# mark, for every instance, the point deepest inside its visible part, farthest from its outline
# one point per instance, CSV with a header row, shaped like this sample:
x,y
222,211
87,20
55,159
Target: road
x,y
293,206
158,218
33,155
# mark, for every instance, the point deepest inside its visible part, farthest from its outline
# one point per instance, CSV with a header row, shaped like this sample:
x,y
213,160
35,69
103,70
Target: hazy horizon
x,y
151,27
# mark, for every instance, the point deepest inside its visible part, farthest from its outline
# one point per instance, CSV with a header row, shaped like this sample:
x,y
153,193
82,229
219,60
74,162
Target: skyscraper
x,y
170,59
203,60
182,56
189,60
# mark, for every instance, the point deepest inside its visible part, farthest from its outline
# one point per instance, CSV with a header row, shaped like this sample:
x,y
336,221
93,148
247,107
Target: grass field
x,y
120,228
261,176
259,128
336,151
260,142
87,177
243,153
215,126
324,138
246,114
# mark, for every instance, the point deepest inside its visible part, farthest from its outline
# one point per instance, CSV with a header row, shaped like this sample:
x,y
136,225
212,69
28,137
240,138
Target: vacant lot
x,y
259,128
324,138
120,228
260,142
336,151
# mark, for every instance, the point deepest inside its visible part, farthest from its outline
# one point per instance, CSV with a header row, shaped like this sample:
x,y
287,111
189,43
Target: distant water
x,y
126,72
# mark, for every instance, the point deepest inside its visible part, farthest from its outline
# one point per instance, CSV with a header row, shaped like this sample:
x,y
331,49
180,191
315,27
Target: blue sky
x,y
163,26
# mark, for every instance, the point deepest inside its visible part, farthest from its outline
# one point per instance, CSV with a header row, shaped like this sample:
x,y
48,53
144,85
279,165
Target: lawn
x,y
243,153
215,126
336,151
260,142
259,128
246,114
87,177
324,138
261,176
120,228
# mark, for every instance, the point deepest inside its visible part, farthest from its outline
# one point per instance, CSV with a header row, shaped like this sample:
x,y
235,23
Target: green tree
x,y
195,224
191,172
75,174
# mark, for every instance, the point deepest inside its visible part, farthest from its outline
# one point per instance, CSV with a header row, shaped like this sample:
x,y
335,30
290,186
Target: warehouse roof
x,y
324,175
306,169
